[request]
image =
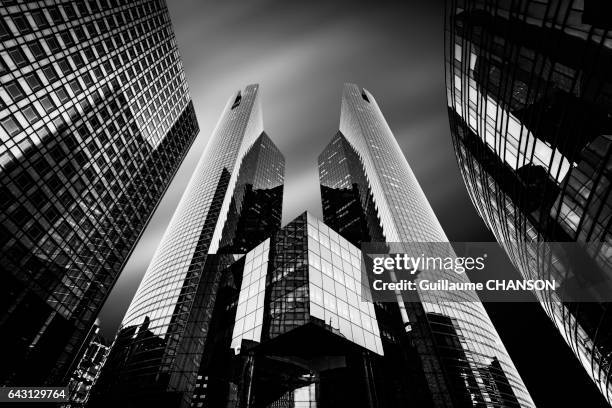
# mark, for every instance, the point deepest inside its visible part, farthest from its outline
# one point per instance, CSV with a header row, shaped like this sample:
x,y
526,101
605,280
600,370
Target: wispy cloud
x,y
301,53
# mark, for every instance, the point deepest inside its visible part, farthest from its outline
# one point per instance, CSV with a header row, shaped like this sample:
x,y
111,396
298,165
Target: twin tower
x,y
235,310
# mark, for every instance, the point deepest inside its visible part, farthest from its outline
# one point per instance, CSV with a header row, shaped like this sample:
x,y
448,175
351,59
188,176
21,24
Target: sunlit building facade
x,y
236,310
529,88
290,328
366,180
232,203
95,119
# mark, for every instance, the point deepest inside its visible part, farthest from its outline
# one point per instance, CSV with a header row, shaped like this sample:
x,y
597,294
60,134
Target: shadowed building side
x,y
257,201
95,120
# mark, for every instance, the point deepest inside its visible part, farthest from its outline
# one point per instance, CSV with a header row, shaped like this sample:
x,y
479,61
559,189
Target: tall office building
x,y
232,203
290,328
366,181
530,103
95,119
236,311
89,366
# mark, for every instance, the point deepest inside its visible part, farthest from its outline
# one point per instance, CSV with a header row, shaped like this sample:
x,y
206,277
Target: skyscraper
x,y
237,311
289,328
529,88
95,119
232,203
366,180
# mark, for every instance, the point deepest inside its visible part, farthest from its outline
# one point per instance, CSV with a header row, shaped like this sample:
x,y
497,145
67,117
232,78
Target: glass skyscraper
x,y
236,311
232,203
95,119
289,328
529,88
366,180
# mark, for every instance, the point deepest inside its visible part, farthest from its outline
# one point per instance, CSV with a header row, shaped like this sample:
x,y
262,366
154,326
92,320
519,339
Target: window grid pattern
x,y
164,280
406,216
250,309
348,204
311,272
530,97
95,118
175,284
287,284
256,207
335,287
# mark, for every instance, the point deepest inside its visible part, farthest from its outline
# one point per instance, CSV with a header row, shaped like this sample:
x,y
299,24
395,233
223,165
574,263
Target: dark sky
x,y
301,53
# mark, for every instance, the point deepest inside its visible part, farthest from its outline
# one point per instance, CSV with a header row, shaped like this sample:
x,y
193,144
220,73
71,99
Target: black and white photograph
x,y
306,204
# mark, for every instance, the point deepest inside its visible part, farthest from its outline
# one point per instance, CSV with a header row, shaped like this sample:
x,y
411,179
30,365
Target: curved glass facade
x,y
390,193
236,311
231,203
95,119
529,88
201,206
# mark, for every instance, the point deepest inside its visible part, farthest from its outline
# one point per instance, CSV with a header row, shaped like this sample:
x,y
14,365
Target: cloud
x,y
301,53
